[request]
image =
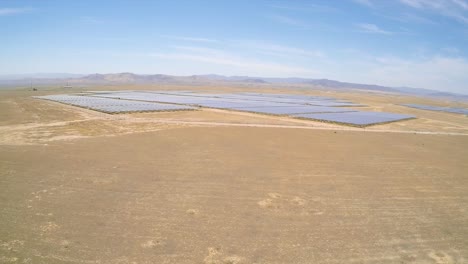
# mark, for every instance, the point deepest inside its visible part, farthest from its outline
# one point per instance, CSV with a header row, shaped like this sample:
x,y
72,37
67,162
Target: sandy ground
x,y
78,186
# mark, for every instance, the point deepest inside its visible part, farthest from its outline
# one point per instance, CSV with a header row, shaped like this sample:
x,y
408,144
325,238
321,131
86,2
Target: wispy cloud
x,y
364,2
282,19
405,17
291,51
411,18
422,3
451,50
238,64
14,11
199,50
461,4
455,9
191,39
91,20
278,50
304,7
372,29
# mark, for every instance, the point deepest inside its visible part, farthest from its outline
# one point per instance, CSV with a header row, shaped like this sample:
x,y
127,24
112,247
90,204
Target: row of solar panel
x,y
115,102
299,106
216,100
439,108
108,105
234,104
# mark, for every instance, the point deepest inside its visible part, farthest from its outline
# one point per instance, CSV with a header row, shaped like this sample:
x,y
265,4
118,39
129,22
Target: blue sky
x,y
417,43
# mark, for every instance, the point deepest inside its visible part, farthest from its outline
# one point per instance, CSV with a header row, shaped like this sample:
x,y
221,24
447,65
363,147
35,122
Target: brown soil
x,y
78,186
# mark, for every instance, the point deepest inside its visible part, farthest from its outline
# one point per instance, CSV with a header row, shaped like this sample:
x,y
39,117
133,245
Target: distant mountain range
x,y
42,79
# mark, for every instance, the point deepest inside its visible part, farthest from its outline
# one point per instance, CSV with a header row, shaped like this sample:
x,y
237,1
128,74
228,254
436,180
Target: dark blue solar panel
x,y
299,101
356,118
457,111
291,96
239,104
286,110
219,100
295,99
333,103
282,104
439,108
111,105
154,97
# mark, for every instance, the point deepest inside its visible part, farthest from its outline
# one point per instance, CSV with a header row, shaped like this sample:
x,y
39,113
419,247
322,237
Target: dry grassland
x,y
215,186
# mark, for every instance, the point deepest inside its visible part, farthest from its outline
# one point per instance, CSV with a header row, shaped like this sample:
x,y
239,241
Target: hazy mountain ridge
x,y
132,78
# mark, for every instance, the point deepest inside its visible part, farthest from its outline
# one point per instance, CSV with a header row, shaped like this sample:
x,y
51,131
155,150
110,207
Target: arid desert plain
x,y
219,186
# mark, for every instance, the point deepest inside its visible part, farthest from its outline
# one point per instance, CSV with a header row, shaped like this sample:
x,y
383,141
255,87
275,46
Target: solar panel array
x,y
196,100
300,106
288,110
238,99
463,111
109,105
358,118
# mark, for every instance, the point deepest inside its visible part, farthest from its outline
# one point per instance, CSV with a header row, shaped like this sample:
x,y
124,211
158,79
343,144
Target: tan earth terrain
x,y
216,186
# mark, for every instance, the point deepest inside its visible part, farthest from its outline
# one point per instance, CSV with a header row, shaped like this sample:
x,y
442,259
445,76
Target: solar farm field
x,y
109,105
308,107
184,174
463,111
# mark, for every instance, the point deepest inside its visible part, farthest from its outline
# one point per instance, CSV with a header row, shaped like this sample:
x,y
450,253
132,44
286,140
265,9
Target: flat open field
x,y
216,186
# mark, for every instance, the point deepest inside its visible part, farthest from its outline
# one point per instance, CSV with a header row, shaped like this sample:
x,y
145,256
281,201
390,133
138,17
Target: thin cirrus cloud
x,y
412,18
364,2
189,38
372,29
307,7
278,50
91,20
14,11
282,19
454,9
237,64
405,17
255,46
199,50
